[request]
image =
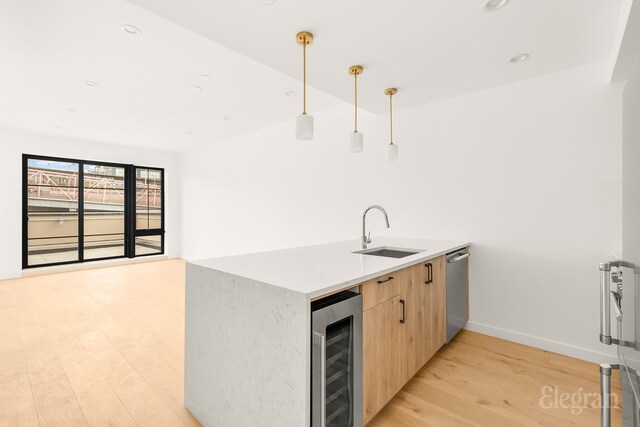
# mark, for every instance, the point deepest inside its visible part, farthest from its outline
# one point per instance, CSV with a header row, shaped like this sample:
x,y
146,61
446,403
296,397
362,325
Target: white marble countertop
x,y
322,269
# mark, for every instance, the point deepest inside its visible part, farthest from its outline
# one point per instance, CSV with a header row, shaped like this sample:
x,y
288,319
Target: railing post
x,y
605,395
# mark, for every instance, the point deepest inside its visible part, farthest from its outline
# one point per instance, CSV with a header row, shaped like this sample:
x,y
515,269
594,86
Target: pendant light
x,y
356,141
304,122
392,149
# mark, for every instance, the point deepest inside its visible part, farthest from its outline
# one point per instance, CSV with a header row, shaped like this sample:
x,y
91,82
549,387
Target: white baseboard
x,y
554,346
41,271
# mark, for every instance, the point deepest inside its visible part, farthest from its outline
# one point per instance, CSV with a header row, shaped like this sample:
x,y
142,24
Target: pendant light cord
x,y
391,117
355,90
304,76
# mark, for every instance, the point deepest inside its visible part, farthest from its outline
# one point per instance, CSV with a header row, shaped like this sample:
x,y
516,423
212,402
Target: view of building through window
x,y
52,191
148,208
78,211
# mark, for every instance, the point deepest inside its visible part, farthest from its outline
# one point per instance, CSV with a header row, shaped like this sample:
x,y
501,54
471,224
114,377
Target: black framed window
x,y
149,237
77,210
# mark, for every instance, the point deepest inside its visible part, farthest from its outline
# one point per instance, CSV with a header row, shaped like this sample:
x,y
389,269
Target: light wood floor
x,y
478,380
99,347
104,347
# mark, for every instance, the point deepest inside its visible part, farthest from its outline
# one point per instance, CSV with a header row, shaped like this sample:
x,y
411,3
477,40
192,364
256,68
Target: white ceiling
x,y
429,49
49,48
627,41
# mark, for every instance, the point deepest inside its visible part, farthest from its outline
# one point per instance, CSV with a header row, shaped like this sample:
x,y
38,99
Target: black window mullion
x,y
81,211
162,209
130,210
25,211
148,201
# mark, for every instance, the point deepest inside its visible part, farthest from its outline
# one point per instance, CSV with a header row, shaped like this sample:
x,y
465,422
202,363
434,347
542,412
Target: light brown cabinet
x,y
404,325
438,305
415,333
382,340
381,289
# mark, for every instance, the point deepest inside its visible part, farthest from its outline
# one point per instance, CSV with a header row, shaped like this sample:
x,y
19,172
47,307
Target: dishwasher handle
x,y
458,258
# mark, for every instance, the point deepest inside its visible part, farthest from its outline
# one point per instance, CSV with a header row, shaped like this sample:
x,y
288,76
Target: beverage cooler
x,y
336,361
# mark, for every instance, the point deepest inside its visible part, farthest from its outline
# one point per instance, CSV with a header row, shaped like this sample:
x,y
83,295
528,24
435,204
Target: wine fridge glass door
x,y
337,365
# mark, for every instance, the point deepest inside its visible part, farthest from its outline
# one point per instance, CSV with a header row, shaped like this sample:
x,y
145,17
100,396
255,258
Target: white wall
x,y
631,167
529,172
14,144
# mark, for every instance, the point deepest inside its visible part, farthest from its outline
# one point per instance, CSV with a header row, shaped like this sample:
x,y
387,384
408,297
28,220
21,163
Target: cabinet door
x,y
380,289
382,339
417,328
425,331
437,305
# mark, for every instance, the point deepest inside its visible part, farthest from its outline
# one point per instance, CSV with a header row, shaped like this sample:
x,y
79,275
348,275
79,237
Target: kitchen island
x,y
248,333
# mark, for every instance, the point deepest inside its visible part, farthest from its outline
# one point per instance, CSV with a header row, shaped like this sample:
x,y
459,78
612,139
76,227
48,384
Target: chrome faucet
x,y
367,239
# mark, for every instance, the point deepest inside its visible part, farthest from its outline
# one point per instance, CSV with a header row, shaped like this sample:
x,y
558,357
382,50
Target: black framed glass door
x,y
103,211
77,210
52,193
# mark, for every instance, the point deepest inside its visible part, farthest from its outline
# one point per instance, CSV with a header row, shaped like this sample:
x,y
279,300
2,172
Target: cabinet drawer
x,y
381,289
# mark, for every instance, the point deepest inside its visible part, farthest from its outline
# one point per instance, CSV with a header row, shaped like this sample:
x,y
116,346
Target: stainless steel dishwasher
x,y
457,276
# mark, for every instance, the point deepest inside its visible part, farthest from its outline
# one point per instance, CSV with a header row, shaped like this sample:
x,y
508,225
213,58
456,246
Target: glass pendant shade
x,y
356,142
392,152
304,127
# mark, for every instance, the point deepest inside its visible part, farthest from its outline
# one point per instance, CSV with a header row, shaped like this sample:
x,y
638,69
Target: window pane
x,y
52,173
52,237
103,246
52,250
103,233
52,199
142,209
155,199
148,199
100,176
142,176
148,245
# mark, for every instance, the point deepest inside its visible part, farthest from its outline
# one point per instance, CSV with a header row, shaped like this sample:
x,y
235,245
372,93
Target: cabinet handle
x,y
321,341
385,280
429,273
403,312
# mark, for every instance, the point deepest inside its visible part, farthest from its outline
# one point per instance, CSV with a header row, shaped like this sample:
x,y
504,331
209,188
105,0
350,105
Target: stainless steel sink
x,y
390,252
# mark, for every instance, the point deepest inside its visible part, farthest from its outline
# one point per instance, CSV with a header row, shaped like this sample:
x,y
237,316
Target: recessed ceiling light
x,y
493,5
289,93
91,83
195,88
204,76
189,133
130,29
226,118
519,58
70,110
